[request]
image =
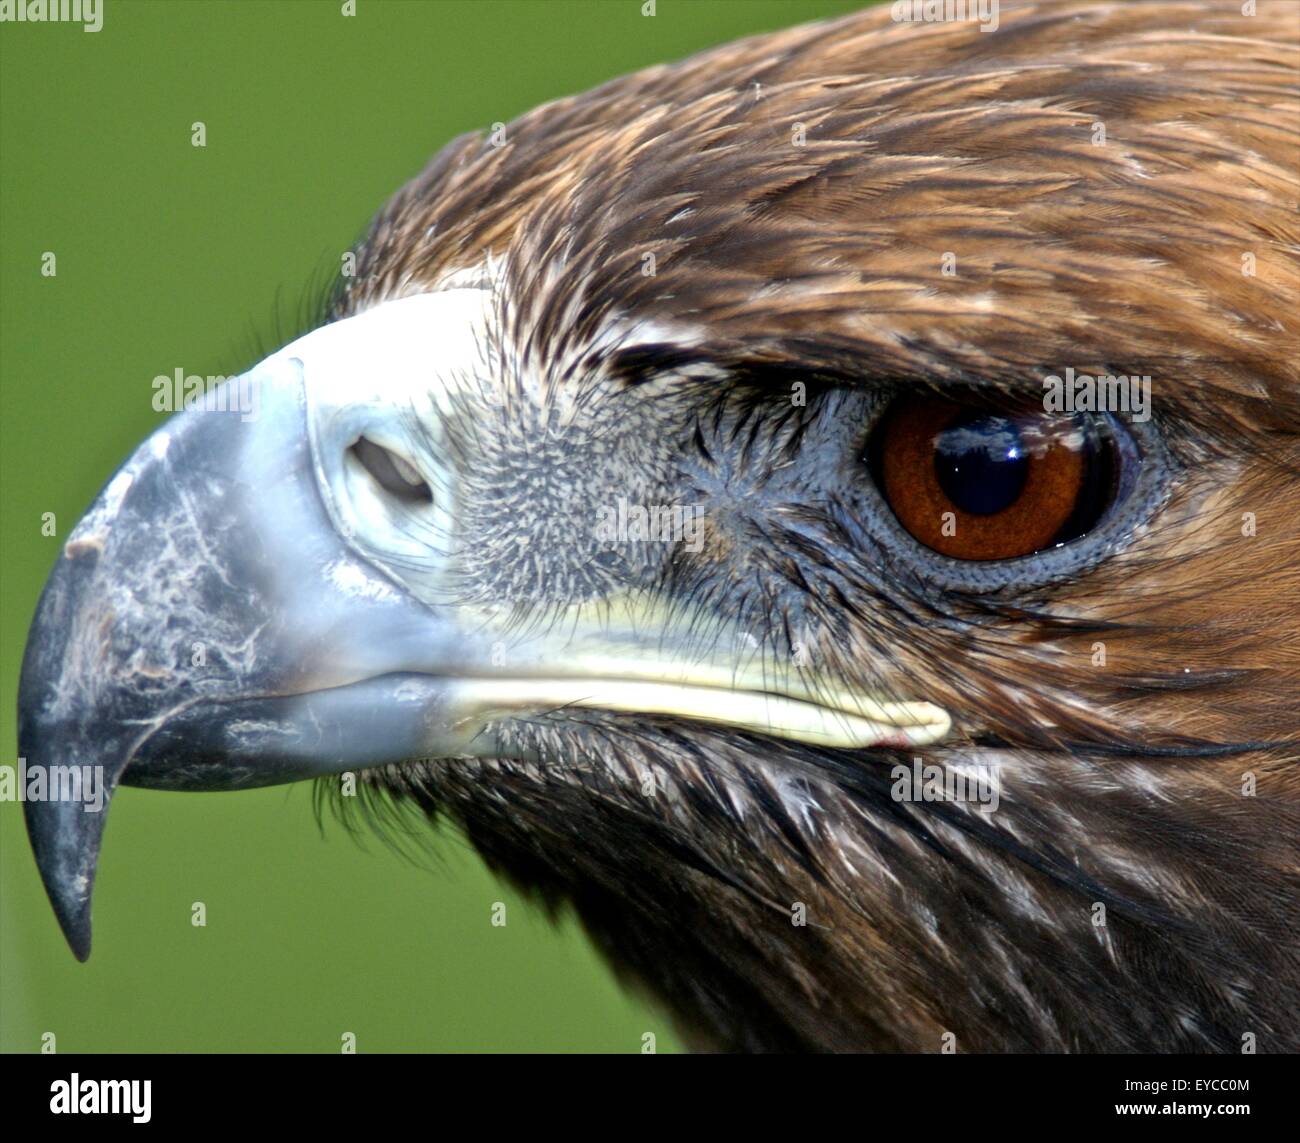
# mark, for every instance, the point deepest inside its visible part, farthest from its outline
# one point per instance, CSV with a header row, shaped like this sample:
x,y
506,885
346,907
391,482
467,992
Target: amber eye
x,y
980,483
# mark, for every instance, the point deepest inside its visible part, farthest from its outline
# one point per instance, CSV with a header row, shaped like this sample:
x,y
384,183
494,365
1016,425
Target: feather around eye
x,y
977,485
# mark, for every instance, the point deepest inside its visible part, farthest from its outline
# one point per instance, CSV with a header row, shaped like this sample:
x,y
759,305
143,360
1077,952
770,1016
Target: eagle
x,y
826,511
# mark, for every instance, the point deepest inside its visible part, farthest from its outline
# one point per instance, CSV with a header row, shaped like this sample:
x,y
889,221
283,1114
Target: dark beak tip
x,y
77,931
65,843
71,908
72,911
73,915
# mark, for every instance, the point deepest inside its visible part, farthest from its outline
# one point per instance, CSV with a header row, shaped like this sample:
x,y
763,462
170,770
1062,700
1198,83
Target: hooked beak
x,y
213,624
200,631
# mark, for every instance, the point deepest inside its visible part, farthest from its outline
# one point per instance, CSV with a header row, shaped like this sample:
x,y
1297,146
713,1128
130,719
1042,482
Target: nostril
x,y
394,473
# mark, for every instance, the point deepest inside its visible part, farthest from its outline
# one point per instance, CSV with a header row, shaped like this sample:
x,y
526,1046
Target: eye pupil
x,y
981,464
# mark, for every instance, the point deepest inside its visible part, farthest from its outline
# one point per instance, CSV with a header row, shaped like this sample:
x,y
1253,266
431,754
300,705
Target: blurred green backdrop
x,y
169,255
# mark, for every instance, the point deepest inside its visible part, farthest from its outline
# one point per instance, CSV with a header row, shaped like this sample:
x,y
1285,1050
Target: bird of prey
x,y
827,511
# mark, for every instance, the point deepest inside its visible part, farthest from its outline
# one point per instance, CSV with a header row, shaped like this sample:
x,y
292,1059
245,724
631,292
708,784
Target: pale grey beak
x,y
206,629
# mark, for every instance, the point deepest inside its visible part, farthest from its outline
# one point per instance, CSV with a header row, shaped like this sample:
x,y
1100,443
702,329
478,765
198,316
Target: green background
x,y
169,256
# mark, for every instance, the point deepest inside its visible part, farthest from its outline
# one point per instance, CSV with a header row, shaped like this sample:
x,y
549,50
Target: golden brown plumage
x,y
1103,174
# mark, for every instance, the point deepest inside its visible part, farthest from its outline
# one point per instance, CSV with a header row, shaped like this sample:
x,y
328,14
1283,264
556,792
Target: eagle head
x,y
826,510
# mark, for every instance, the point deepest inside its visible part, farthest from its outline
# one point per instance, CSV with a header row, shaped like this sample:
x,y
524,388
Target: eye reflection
x,y
981,464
